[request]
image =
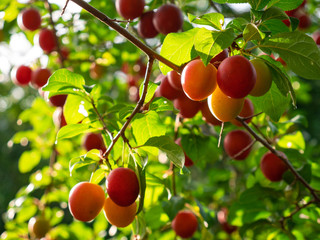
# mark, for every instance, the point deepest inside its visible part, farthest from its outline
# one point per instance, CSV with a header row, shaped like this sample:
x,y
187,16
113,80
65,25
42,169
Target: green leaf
x,y
65,82
238,24
274,13
173,206
273,103
72,130
150,91
177,47
28,160
230,1
280,77
294,141
215,20
143,185
298,50
125,112
173,152
75,109
274,26
285,5
97,176
258,4
93,156
210,43
161,105
251,32
145,126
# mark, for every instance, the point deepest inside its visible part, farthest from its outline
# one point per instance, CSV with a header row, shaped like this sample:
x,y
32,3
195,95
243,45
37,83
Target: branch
x,y
279,155
135,110
109,22
49,8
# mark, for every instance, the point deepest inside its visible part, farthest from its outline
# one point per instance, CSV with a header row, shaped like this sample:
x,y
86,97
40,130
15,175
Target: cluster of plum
x,y
166,19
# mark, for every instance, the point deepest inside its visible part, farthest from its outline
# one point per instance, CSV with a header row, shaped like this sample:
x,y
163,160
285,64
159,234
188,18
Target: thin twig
x,y
106,20
65,7
279,155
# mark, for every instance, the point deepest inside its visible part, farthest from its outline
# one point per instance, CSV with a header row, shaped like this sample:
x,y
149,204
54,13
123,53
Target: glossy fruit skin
x,y
168,18
187,161
58,118
222,219
316,37
264,78
47,40
86,201
130,9
40,77
38,226
93,141
198,81
247,111
174,79
236,76
58,100
223,107
22,75
208,116
185,224
117,215
29,19
123,186
219,58
273,167
145,26
187,108
235,142
167,91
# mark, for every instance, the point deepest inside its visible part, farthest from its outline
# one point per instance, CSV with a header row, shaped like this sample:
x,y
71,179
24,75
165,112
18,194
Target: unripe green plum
x,y
38,226
264,78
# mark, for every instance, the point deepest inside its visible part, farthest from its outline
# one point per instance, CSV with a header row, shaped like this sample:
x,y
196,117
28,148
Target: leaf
x,y
173,152
274,13
65,82
251,32
274,26
97,176
161,105
285,5
145,126
72,130
230,1
215,20
143,185
75,109
90,157
273,103
280,77
258,4
125,112
210,43
238,24
298,50
173,206
293,141
28,160
150,91
177,47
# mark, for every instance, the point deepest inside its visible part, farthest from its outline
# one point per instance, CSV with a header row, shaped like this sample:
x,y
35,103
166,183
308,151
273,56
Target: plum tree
x,y
219,58
86,201
146,27
47,40
38,226
187,107
236,76
198,81
168,18
117,215
130,9
185,224
123,186
93,141
40,77
264,78
21,75
246,112
238,144
273,167
187,161
208,116
29,19
174,79
167,91
223,107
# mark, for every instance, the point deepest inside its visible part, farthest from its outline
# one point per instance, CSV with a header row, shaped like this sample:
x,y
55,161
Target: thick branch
x,y
279,155
136,109
106,20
